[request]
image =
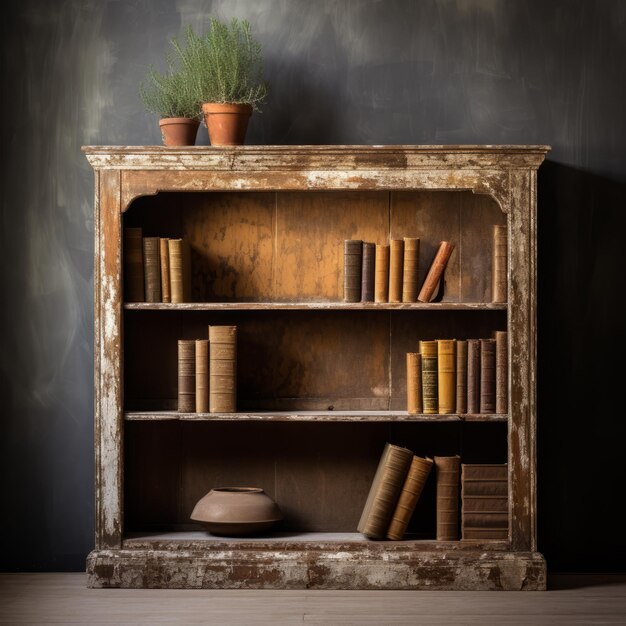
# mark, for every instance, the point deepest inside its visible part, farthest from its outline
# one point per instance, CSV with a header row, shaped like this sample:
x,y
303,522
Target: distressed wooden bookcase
x,y
322,383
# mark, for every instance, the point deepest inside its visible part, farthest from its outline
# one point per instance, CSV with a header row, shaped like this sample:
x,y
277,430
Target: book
x,y
446,375
352,260
385,490
202,375
164,257
461,376
447,470
180,270
186,375
222,369
430,396
133,265
499,281
407,501
414,383
152,269
367,272
473,376
410,273
502,372
381,274
430,288
396,265
487,376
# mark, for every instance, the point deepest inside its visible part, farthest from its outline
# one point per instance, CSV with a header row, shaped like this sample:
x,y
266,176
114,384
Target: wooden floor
x,y
63,599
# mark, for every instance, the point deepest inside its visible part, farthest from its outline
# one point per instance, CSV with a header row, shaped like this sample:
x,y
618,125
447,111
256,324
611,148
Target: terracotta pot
x,y
226,123
236,511
179,131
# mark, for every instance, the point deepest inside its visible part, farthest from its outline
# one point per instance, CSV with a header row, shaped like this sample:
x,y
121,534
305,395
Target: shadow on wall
x,y
581,429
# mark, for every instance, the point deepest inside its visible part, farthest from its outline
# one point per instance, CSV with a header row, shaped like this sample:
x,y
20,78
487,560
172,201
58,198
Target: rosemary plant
x,y
170,95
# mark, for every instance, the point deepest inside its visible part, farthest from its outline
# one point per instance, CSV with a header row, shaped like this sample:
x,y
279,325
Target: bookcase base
x,y
317,569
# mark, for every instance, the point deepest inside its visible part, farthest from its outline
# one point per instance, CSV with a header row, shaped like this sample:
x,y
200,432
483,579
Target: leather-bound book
x,y
180,270
164,255
414,403
502,372
487,376
473,376
381,275
352,260
223,369
446,378
367,272
186,375
411,491
430,288
202,375
152,268
461,377
133,265
447,473
385,491
430,374
410,274
499,265
396,265
485,503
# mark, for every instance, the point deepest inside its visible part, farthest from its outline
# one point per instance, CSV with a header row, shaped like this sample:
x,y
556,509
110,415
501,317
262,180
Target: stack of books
x,y
485,502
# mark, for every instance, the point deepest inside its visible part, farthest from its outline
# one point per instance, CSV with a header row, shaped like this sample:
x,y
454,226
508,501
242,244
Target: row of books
x,y
450,376
156,269
207,372
398,485
390,273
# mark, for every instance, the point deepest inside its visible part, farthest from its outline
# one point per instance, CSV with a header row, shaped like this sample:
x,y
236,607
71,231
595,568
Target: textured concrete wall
x,y
433,71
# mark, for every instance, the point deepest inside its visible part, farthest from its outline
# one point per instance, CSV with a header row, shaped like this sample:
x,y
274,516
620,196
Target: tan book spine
x,y
152,268
223,369
447,471
186,375
411,491
410,274
487,376
133,265
367,272
414,383
473,376
186,272
165,269
396,265
202,375
180,270
499,265
446,379
502,372
352,266
435,273
430,396
381,276
461,377
385,490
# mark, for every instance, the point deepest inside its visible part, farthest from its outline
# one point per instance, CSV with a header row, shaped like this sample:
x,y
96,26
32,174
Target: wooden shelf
x,y
309,416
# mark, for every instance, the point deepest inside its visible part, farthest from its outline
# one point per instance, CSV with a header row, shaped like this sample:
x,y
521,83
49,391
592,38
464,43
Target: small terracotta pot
x,y
226,123
179,131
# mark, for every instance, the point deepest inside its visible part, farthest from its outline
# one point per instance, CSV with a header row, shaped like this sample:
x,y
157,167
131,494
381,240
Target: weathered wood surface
x,y
315,306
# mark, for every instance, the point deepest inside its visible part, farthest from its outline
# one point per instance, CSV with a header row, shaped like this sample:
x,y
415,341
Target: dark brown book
x,y
447,472
487,376
461,377
164,257
152,268
385,491
186,375
499,280
430,374
133,265
411,491
502,372
202,375
410,274
430,288
367,272
222,369
446,376
352,261
473,376
396,265
381,275
414,403
180,270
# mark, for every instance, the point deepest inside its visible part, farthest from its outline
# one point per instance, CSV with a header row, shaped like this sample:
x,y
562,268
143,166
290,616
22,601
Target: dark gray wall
x,y
433,71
